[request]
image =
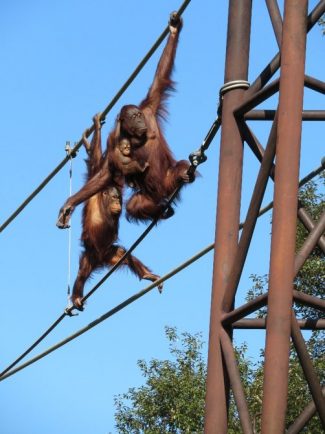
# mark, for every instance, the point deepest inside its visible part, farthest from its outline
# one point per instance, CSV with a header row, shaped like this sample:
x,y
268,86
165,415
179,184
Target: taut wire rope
x,y
91,129
9,371
71,156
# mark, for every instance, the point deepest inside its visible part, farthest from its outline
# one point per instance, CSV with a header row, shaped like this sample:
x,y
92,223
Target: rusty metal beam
x,y
260,324
309,300
297,338
315,84
257,98
303,418
276,19
227,266
270,89
250,221
268,115
310,243
245,309
235,382
258,151
307,221
260,301
308,368
255,145
228,209
284,217
274,64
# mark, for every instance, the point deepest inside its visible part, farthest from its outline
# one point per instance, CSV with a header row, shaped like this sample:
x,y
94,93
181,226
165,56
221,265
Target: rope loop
x,y
234,84
71,154
226,87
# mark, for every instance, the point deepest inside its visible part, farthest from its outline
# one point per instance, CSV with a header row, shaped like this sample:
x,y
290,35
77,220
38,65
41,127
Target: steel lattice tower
x,y
281,324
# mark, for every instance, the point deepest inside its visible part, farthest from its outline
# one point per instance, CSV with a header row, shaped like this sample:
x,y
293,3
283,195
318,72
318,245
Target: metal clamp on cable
x,y
69,150
197,157
69,311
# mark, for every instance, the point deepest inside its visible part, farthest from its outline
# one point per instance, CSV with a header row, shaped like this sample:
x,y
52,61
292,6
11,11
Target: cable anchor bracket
x,y
69,151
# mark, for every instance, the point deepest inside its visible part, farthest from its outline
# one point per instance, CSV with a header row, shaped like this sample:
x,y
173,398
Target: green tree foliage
x,y
298,391
172,400
310,280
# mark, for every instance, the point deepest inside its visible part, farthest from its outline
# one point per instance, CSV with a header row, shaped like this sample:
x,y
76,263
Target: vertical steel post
x,y
228,209
251,218
284,217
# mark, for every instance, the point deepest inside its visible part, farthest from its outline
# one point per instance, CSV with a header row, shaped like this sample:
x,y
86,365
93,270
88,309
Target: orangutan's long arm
x,y
162,82
95,184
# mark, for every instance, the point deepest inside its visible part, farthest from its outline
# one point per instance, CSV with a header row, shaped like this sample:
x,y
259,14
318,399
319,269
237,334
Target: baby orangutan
x,y
124,160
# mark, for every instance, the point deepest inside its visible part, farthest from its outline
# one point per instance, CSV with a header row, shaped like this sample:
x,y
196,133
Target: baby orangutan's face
x,y
125,147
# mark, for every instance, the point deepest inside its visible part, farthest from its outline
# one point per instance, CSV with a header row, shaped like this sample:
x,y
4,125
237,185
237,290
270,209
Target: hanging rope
x,y
9,371
91,129
71,156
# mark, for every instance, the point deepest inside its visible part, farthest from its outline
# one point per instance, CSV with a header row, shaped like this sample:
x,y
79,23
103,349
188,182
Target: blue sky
x,y
63,62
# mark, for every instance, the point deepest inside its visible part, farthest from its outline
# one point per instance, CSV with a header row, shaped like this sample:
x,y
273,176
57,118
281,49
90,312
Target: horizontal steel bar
x,y
245,309
309,300
268,115
260,323
315,84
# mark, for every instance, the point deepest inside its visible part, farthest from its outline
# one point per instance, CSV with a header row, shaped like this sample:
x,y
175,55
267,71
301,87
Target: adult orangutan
x,y
140,125
100,221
